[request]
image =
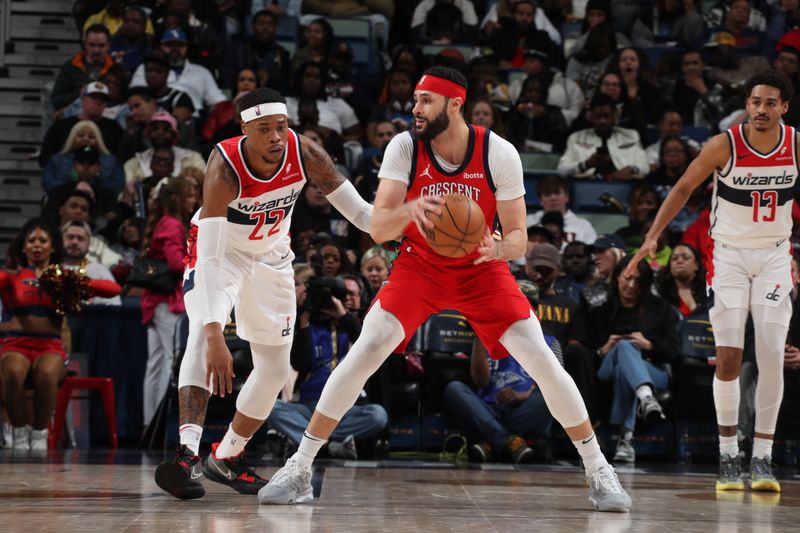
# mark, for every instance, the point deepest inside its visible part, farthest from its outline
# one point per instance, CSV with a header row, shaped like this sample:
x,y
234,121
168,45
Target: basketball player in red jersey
x,y
755,175
239,255
445,155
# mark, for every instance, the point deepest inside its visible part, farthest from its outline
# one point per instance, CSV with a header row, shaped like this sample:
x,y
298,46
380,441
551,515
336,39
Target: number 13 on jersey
x,y
274,217
770,198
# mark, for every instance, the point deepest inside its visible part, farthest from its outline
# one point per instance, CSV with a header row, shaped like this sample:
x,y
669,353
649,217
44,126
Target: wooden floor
x,y
76,491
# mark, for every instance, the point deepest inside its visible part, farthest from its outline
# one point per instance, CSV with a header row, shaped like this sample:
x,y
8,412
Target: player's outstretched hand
x,y
489,248
422,208
219,372
648,249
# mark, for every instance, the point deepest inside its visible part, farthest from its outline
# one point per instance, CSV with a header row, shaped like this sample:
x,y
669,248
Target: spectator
x,y
642,96
164,240
576,264
113,17
605,151
375,265
345,83
325,331
785,18
142,106
380,133
635,334
487,80
378,12
193,79
481,112
334,260
409,57
334,113
128,245
729,68
366,180
674,157
518,33
683,284
259,53
553,194
608,250
326,138
94,97
787,63
598,12
224,122
84,67
534,125
131,42
319,41
507,406
203,28
156,73
396,100
33,352
444,21
313,212
66,167
161,132
77,235
674,22
279,8
670,124
696,97
561,92
745,24
553,221
642,201
587,64
503,9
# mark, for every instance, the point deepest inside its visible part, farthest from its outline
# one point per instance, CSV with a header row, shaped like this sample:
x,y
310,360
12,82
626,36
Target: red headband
x,y
441,86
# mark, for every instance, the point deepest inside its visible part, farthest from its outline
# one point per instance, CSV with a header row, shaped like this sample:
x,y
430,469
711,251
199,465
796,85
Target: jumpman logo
x,y
427,172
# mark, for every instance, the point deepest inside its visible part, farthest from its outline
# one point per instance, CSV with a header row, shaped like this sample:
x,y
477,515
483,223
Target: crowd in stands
x,y
620,91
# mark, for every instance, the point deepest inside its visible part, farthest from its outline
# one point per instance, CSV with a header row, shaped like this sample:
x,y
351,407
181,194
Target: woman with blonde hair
x,y
164,240
76,162
375,265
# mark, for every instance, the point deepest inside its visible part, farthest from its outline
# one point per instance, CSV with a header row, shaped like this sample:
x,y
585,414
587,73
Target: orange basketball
x,y
459,229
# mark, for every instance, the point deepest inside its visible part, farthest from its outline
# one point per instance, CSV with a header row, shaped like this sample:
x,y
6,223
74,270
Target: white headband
x,y
262,110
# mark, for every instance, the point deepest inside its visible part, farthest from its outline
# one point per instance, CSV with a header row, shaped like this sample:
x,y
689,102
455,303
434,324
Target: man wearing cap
x,y
94,98
608,249
268,59
85,66
240,256
161,132
728,66
195,80
520,32
447,154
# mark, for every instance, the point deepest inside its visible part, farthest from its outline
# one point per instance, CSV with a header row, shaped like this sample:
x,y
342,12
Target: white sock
x,y
231,445
762,448
589,450
728,446
644,392
190,437
308,449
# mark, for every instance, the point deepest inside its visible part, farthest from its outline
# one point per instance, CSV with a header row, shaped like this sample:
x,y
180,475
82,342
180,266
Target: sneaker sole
x,y
611,508
733,485
765,485
173,479
306,496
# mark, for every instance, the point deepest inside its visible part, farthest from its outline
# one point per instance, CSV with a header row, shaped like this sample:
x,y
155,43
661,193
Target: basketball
x,y
459,229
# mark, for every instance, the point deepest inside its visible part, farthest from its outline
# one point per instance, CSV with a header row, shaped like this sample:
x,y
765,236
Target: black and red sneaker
x,y
232,472
181,476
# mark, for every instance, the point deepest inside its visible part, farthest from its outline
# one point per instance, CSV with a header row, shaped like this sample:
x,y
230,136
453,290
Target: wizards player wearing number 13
x,y
755,167
239,255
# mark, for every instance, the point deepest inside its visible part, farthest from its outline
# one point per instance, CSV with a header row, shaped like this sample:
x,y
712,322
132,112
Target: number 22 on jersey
x,y
274,217
771,200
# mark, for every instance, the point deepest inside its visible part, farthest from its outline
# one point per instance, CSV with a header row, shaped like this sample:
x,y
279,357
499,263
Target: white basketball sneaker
x,y
605,491
290,484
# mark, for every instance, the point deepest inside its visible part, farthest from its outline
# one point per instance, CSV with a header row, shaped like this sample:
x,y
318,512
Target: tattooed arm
x,y
337,189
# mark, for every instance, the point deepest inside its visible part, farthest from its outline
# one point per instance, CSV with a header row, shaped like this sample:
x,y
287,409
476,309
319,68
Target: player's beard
x,y
435,126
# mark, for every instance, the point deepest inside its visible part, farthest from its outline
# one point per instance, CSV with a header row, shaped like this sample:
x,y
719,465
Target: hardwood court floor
x,y
76,491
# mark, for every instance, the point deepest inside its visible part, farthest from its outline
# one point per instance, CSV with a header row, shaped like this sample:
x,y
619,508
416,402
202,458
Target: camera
x,y
611,202
322,290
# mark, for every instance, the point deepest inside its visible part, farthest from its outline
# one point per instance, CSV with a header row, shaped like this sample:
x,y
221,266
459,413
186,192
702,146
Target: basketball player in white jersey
x,y
239,255
755,175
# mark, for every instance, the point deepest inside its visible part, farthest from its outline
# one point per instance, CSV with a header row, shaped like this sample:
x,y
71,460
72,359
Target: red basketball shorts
x,y
487,295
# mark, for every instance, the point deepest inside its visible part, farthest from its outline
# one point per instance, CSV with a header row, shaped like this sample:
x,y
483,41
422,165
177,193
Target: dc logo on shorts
x,y
287,331
773,296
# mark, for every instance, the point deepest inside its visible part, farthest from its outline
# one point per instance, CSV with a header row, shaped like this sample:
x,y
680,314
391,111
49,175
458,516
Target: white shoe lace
x,y
293,474
606,478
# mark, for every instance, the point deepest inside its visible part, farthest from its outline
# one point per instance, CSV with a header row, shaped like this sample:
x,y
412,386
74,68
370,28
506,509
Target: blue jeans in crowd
x,y
495,423
361,421
624,367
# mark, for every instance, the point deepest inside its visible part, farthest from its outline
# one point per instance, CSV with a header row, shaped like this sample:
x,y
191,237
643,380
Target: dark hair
x,y
645,280
553,217
265,13
76,192
97,28
449,74
550,184
575,244
297,80
263,95
668,288
600,100
772,79
670,138
645,76
790,50
16,254
144,92
327,29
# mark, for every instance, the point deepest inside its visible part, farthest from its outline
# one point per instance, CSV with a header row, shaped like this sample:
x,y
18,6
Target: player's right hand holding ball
x,y
424,207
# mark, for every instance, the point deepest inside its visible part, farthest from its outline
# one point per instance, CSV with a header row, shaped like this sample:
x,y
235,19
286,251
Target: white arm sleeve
x,y
506,168
211,237
348,202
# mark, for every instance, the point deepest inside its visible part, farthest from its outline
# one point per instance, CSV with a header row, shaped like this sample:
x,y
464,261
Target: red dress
x,y
22,296
423,282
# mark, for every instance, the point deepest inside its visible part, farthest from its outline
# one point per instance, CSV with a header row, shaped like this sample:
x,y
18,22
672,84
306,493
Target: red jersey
x,y
472,178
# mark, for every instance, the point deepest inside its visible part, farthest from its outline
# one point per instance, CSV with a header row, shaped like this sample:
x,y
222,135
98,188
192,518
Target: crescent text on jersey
x,y
448,187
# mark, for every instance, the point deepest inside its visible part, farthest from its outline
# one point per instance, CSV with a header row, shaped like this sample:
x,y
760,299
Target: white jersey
x,y
753,194
260,216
